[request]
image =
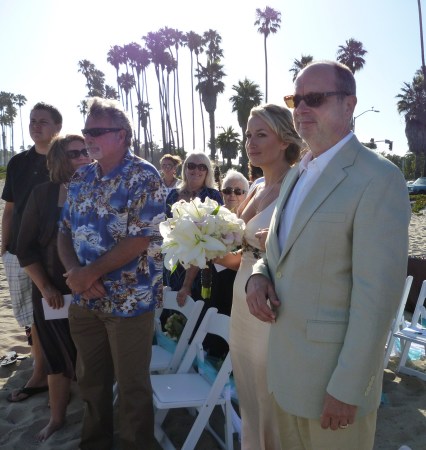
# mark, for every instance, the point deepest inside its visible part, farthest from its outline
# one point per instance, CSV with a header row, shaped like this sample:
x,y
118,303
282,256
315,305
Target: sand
x,y
401,420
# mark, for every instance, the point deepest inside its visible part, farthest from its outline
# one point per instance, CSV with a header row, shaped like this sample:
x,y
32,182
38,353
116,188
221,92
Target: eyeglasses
x,y
96,132
74,154
313,99
236,191
193,166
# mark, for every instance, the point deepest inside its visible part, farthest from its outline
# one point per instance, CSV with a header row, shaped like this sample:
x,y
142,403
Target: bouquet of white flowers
x,y
198,232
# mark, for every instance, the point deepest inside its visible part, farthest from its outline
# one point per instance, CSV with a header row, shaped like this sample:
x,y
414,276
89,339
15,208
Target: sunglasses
x,y
193,166
96,132
236,191
74,154
313,100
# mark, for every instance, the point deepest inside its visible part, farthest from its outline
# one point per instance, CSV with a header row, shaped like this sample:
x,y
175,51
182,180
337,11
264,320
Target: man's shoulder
x,y
21,158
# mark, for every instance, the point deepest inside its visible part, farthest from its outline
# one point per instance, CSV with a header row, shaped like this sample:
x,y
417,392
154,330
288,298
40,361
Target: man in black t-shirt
x,y
24,171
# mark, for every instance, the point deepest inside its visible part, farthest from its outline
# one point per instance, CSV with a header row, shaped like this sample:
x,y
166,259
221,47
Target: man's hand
x,y
336,414
97,290
259,290
80,279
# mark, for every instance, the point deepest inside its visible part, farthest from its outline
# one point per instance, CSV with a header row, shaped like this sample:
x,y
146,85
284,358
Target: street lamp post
x,y
366,111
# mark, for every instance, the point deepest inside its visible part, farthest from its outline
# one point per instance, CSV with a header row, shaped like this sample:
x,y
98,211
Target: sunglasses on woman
x,y
236,191
313,99
74,154
193,166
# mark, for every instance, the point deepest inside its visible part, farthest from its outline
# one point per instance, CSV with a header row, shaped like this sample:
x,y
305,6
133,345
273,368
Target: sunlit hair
x,y
202,157
345,80
59,165
54,112
100,108
175,159
233,175
280,121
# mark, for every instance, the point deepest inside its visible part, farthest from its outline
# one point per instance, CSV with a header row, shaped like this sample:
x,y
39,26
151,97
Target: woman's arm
x,y
186,289
231,260
48,291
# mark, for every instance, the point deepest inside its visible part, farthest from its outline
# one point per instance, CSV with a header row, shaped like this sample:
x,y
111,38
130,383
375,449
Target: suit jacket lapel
x,y
331,177
286,188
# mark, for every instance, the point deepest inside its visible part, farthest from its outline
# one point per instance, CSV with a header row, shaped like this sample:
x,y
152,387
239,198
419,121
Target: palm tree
x,y
269,22
247,96
116,57
421,40
352,55
412,103
7,116
194,43
175,38
228,142
210,85
95,79
83,108
20,101
298,65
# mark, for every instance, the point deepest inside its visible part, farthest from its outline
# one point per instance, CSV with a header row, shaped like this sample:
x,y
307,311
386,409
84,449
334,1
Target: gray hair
x,y
111,109
233,175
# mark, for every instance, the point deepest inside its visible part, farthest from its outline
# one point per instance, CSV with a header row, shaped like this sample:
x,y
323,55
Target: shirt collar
x,y
320,163
127,159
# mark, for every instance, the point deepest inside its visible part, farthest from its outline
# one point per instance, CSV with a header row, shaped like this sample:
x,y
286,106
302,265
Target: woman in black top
x,y
37,252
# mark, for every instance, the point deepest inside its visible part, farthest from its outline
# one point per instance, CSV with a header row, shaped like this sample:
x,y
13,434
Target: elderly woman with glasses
x,y
197,181
37,253
234,189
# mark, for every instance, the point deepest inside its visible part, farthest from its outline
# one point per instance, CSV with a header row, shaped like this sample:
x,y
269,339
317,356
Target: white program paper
x,y
61,313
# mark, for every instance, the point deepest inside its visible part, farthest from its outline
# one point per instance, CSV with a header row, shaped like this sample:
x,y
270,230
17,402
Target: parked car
x,y
418,187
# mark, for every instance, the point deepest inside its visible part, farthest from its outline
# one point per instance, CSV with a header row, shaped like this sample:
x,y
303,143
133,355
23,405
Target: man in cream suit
x,y
335,265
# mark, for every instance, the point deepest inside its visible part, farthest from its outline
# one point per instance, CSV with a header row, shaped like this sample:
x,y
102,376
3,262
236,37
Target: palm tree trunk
x,y
192,102
212,136
421,42
22,129
266,71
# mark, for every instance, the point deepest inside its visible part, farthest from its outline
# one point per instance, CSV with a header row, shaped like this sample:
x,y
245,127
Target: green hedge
x,y
418,202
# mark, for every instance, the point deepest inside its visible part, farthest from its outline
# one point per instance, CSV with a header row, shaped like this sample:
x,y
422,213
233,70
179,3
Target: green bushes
x,y
418,202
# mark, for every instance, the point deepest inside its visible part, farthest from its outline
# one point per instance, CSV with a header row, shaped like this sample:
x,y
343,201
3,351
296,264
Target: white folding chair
x,y
167,360
399,322
414,333
190,388
162,360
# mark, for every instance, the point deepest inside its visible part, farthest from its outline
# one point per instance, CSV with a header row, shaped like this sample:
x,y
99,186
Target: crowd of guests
x,y
314,263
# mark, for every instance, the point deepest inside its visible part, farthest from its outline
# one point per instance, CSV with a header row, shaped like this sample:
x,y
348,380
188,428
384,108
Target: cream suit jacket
x,y
339,279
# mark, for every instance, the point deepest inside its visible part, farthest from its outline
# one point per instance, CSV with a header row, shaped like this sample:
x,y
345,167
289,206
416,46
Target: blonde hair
x,y
59,165
174,158
209,180
280,120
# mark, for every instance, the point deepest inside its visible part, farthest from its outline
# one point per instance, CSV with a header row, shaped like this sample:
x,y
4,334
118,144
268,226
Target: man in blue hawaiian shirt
x,y
110,246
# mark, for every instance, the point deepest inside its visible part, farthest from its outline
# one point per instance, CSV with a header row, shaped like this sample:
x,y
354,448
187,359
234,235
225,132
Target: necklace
x,y
259,201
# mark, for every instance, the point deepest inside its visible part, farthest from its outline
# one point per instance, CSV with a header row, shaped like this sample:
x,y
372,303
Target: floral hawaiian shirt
x,y
102,210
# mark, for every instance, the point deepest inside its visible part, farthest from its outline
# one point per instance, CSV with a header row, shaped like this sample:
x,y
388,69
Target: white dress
x,y
249,349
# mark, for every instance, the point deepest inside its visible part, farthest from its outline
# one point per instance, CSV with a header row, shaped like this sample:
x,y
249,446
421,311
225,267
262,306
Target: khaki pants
x,y
299,433
106,346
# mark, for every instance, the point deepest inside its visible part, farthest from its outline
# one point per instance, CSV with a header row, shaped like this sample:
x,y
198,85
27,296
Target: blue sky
x,y
42,41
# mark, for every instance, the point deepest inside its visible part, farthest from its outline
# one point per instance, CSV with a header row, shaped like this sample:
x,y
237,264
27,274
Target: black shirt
x,y
24,171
